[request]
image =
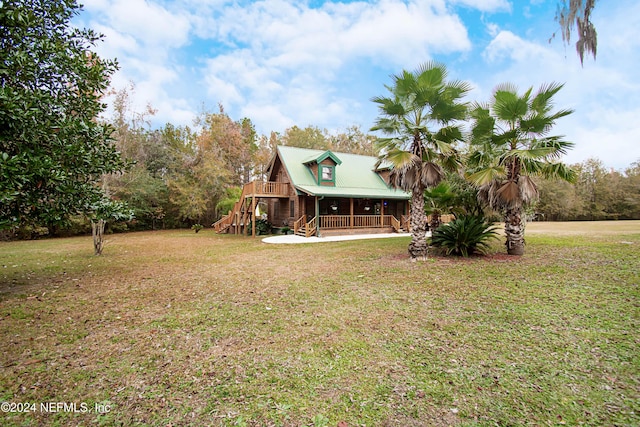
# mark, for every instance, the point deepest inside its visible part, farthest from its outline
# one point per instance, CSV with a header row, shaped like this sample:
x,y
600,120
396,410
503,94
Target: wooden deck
x,y
243,209
266,189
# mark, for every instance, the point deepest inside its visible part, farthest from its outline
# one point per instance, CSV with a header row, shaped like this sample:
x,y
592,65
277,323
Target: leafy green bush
x,y
464,236
262,227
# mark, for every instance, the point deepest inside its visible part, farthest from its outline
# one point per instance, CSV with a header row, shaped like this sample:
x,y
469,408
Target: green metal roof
x,y
355,175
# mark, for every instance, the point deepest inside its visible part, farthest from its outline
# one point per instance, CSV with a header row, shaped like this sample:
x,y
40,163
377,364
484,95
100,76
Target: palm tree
x,y
440,200
418,121
509,144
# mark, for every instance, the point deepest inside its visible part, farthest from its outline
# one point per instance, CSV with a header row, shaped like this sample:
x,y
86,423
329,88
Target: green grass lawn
x,y
176,328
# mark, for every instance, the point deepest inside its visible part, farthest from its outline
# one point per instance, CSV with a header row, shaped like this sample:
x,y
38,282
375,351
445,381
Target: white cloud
x,y
294,56
507,46
597,132
485,5
147,22
603,93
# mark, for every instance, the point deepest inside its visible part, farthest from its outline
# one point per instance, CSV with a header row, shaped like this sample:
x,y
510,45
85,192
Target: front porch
x,y
335,225
330,216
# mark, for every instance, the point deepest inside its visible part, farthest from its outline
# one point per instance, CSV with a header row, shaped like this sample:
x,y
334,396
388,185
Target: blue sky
x,y
294,62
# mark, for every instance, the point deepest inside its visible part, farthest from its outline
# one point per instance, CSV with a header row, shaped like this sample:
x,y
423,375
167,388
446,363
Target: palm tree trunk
x,y
418,246
435,221
514,230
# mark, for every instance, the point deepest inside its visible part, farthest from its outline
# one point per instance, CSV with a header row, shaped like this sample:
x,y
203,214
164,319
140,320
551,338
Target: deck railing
x,y
268,188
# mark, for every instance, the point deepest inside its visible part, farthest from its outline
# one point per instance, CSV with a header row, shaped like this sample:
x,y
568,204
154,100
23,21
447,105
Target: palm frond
x,y
483,123
399,158
561,113
386,125
385,145
541,102
538,153
407,171
528,190
509,193
486,175
507,105
559,171
431,174
505,87
431,74
452,162
556,143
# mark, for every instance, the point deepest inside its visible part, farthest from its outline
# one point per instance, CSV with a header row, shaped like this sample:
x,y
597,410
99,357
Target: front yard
x,y
176,328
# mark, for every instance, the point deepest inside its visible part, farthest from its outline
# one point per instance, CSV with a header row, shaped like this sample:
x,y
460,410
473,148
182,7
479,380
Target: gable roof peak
x,y
323,156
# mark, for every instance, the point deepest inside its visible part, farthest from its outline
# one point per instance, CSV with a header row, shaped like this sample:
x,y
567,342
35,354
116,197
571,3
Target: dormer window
x,y
323,168
327,173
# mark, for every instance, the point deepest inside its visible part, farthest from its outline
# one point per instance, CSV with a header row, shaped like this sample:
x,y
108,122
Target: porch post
x,y
302,208
317,217
253,216
381,213
351,212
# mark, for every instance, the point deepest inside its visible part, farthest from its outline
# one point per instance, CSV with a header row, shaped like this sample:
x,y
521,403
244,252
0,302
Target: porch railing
x,y
356,221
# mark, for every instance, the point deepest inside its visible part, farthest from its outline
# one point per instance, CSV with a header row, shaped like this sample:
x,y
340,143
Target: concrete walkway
x,y
291,238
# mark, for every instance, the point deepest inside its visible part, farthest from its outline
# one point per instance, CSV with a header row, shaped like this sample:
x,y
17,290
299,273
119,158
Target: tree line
x,y
178,176
599,193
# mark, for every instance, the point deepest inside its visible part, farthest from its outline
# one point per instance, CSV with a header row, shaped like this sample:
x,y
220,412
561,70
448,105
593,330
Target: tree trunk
x,y
435,221
97,230
514,230
418,246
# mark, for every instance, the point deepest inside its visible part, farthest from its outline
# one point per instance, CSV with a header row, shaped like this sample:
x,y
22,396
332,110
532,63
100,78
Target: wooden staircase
x,y
305,229
243,210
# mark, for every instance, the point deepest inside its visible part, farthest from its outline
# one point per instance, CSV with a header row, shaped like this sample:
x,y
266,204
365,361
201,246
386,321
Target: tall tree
x,y
558,200
578,13
419,121
142,185
52,148
235,143
353,140
309,137
510,142
204,173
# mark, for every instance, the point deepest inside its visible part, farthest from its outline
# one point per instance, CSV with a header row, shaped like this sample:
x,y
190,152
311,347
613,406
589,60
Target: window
x,y
292,208
327,173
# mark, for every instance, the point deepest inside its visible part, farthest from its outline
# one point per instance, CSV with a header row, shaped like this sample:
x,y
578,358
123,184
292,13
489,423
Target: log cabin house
x,y
320,193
